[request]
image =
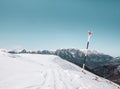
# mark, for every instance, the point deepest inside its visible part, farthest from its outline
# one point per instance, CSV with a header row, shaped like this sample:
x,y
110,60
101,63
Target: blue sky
x,y
54,24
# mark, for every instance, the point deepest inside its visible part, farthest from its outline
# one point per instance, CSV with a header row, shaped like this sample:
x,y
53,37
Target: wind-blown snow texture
x,y
35,71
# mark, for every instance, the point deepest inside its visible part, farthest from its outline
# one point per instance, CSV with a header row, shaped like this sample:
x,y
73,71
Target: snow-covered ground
x,y
35,71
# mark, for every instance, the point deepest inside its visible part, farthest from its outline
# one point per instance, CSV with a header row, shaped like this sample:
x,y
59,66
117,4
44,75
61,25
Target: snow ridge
x,y
35,71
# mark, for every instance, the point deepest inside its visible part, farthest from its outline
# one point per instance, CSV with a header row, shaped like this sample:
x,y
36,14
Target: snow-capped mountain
x,y
36,71
94,58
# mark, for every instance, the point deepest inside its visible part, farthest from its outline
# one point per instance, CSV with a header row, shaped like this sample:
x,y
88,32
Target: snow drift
x,y
35,71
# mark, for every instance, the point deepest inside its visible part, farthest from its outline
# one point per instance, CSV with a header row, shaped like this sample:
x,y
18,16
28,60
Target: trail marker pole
x,y
89,36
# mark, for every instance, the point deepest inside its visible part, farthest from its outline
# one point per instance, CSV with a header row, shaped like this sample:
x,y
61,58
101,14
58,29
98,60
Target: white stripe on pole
x,y
89,37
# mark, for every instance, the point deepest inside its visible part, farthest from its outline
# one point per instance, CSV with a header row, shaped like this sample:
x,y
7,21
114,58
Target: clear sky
x,y
54,24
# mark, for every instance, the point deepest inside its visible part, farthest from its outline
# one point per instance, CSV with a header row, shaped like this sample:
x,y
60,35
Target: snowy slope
x,y
35,71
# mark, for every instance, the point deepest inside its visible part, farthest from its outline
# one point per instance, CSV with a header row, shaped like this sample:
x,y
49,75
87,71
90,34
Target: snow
x,y
35,71
90,51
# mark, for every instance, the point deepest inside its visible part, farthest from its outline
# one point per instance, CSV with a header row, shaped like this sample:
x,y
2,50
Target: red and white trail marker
x,y
89,35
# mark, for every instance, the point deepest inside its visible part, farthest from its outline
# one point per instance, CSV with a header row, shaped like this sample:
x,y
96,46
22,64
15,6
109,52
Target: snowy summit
x,y
36,71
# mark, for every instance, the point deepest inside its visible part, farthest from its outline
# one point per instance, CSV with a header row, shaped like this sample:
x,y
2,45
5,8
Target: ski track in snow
x,y
32,71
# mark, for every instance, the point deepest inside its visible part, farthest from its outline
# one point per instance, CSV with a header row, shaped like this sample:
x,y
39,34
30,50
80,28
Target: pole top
x,y
89,33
